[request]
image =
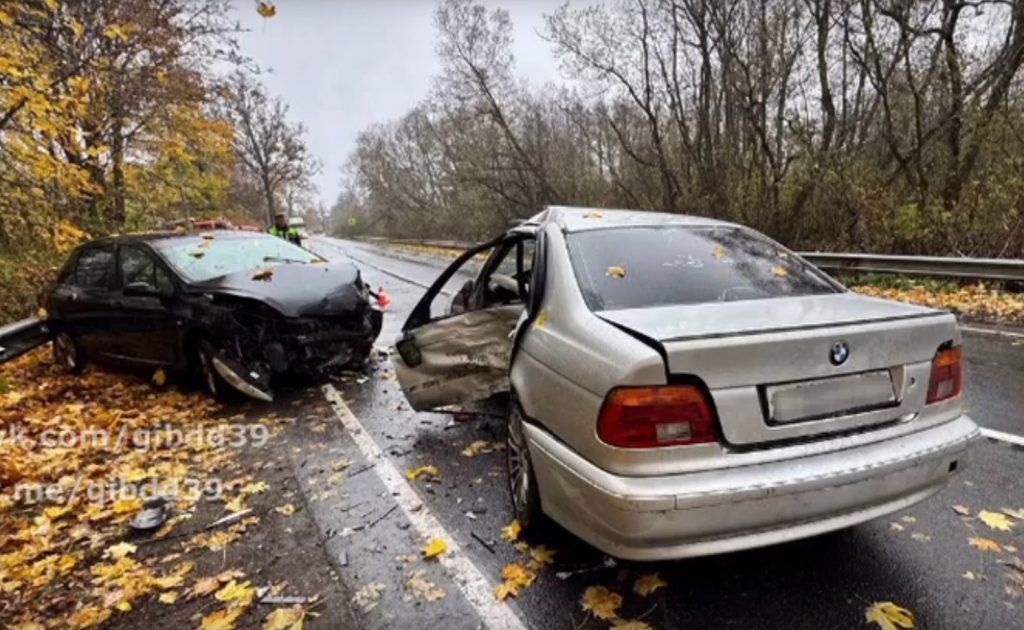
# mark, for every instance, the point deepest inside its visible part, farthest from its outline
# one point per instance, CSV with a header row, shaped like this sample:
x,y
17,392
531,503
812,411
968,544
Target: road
x,y
917,559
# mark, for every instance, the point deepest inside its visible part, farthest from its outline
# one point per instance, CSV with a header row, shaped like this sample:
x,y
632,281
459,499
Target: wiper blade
x,y
284,260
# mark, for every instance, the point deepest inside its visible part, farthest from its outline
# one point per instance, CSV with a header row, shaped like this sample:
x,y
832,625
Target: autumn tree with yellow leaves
x,y
110,121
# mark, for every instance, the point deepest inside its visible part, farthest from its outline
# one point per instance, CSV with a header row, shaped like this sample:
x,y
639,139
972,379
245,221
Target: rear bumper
x,y
702,513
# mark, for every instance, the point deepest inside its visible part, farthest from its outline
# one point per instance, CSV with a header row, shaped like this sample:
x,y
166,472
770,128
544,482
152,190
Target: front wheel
x,y
67,353
212,380
522,482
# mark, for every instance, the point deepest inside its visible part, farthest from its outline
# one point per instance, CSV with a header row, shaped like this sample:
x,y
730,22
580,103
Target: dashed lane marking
x,y
470,580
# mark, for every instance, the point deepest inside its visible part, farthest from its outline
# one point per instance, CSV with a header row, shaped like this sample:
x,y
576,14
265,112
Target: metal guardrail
x,y
1001,269
18,338
1004,269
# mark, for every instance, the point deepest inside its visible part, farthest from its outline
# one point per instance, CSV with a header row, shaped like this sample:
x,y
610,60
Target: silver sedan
x,y
678,386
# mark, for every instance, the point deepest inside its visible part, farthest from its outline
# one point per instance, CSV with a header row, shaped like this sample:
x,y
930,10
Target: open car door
x,y
455,346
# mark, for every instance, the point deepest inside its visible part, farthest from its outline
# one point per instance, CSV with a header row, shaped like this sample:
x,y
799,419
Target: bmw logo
x,y
839,353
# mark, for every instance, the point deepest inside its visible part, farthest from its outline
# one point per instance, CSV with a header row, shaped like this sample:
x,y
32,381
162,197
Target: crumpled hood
x,y
298,290
722,319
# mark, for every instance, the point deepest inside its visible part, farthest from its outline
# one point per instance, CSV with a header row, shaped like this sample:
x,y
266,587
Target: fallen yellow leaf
x,y
434,548
223,619
119,550
159,378
287,509
630,624
996,520
780,272
541,554
1017,514
647,584
616,272
236,592
477,447
511,531
263,274
168,598
285,619
430,470
600,601
984,544
889,616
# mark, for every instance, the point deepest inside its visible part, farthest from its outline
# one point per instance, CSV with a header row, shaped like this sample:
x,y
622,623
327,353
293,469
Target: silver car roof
x,y
575,219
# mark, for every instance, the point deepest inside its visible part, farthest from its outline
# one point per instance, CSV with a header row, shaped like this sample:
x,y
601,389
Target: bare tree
x,y
269,148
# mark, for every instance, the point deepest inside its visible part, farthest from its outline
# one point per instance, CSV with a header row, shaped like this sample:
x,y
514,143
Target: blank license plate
x,y
829,397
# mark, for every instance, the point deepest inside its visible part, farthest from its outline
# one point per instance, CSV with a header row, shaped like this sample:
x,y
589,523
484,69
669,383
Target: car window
x,y
640,267
138,265
200,259
94,267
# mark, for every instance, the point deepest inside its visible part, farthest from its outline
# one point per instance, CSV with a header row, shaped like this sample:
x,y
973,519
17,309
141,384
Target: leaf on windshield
x,y
197,254
207,236
996,520
263,274
780,272
616,272
782,255
889,616
719,252
593,214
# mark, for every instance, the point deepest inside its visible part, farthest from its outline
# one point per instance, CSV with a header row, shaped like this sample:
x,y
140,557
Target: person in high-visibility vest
x,y
281,229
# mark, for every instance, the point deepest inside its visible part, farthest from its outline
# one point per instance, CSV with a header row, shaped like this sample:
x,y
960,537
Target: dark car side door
x,y
83,300
147,327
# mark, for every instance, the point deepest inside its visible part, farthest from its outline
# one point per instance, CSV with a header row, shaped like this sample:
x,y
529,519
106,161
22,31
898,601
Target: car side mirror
x,y
143,289
408,350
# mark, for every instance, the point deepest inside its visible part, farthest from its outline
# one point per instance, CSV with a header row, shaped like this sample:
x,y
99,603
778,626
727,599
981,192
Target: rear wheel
x,y
522,482
67,353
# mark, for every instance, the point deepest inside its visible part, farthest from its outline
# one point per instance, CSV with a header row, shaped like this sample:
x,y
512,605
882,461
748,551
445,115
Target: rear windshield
x,y
200,259
639,267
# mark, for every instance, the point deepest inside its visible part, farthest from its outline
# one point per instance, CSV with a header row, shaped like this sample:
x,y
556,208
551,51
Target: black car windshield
x,y
640,267
199,259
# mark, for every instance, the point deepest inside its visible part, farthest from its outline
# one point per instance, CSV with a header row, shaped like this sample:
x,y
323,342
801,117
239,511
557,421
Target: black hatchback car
x,y
240,309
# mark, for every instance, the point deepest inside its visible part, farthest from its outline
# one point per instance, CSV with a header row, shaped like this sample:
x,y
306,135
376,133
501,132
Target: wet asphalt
x,y
919,559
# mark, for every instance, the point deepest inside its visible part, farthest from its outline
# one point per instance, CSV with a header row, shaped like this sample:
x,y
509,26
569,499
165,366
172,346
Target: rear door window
x,y
95,267
641,267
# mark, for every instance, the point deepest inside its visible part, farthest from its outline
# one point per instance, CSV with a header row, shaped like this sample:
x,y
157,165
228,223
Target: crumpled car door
x,y
461,355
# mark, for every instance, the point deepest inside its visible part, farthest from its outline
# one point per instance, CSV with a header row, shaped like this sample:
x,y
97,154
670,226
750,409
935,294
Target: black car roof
x,y
149,237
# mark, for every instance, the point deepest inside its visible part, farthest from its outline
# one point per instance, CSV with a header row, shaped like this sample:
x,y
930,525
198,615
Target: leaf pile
x,y
976,302
62,557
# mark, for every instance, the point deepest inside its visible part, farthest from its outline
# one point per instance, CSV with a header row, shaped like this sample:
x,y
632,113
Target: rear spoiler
x,y
20,337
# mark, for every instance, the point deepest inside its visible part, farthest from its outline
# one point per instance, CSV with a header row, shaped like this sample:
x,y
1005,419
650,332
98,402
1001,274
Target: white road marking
x,y
470,580
1003,437
402,277
990,331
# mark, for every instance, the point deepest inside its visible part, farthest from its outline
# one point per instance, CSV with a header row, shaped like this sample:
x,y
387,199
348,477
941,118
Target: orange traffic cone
x,y
383,301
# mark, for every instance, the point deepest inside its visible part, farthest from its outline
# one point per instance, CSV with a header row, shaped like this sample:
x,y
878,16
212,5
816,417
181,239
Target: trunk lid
x,y
770,366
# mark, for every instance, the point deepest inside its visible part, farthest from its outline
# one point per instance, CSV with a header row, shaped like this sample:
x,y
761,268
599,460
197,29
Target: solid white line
x,y
1003,437
470,580
990,331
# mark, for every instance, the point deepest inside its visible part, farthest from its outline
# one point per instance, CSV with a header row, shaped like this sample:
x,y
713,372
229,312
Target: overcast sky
x,y
342,65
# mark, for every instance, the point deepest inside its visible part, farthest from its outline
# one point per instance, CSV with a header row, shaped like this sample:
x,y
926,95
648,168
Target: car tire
x,y
212,381
67,353
522,482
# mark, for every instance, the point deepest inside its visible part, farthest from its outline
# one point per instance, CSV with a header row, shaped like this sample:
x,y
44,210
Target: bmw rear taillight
x,y
947,377
649,417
